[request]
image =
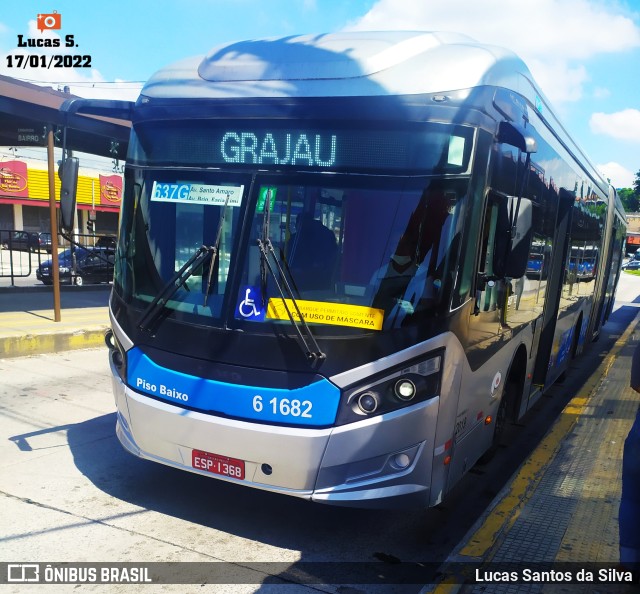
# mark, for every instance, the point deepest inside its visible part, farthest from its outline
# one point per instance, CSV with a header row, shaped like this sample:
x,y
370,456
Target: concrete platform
x,y
27,319
559,512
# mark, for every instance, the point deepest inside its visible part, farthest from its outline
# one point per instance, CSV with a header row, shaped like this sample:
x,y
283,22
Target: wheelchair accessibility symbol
x,y
250,308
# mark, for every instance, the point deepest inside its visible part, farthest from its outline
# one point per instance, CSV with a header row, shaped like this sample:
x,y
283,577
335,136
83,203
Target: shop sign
x,y
110,189
13,179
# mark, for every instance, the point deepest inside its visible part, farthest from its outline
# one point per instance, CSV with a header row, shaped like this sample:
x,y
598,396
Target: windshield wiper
x,y
215,248
310,345
151,313
179,278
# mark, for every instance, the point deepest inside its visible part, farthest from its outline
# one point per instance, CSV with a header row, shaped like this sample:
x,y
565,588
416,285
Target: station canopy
x,y
26,111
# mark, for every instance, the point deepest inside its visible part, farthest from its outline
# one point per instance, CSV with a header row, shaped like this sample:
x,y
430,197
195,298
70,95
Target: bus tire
x,y
509,403
499,424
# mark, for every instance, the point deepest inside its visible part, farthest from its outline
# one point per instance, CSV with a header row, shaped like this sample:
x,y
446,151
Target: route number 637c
x,y
284,407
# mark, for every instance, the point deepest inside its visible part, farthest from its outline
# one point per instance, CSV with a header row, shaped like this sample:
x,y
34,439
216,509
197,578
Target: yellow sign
x,y
322,312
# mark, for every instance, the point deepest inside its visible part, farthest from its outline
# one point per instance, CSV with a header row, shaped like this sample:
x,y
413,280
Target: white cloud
x,y
601,93
84,82
560,81
551,37
623,125
620,176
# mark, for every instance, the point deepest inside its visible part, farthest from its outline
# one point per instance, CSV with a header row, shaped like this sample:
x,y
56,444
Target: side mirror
x,y
514,232
501,240
68,173
521,236
518,136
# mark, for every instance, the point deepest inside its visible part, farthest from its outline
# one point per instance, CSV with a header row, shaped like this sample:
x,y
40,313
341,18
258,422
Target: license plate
x,y
216,464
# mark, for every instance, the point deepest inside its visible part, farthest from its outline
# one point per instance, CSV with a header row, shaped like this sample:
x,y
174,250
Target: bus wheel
x,y
79,280
501,419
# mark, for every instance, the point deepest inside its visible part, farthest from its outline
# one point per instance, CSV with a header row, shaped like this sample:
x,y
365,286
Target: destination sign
x,y
287,148
417,147
192,193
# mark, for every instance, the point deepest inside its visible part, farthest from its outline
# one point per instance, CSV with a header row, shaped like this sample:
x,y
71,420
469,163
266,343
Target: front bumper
x,y
379,462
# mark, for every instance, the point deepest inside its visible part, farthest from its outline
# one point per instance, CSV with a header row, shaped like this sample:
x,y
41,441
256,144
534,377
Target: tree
x,y
636,184
630,199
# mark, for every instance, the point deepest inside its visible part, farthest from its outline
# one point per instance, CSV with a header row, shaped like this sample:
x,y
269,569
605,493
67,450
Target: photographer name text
x,y
601,576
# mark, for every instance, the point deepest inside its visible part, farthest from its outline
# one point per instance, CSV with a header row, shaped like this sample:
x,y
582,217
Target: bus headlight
x,y
405,389
368,402
398,387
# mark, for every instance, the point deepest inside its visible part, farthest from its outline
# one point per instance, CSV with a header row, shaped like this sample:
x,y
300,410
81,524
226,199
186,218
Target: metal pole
x,y
54,227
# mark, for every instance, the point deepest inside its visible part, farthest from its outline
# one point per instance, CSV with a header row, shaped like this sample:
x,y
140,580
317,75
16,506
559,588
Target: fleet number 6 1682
x,y
284,407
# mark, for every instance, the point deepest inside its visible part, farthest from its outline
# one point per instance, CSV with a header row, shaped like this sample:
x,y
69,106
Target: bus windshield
x,y
359,253
364,240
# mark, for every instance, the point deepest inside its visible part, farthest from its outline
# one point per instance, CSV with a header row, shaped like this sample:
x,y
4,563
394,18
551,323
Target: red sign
x,y
111,188
13,179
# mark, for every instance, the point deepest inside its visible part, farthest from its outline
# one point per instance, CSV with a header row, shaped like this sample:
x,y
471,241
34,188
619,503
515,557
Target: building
x,y
24,193
633,231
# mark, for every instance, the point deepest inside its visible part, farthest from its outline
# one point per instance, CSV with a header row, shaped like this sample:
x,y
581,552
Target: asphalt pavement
x,y
71,493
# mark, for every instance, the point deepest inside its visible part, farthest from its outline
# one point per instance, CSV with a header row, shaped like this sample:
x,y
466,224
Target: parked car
x,y
28,242
107,241
631,265
93,265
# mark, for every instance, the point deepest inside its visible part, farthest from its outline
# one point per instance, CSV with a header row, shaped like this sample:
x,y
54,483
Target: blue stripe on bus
x,y
315,404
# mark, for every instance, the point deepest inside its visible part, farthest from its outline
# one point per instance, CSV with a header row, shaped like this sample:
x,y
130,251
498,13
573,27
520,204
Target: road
x,y
69,492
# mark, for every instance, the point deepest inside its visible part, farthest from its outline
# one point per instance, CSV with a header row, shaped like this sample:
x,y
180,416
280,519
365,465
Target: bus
x,y
321,285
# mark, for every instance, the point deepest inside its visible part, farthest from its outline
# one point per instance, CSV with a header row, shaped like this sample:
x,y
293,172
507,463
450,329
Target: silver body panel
x,y
347,64
353,464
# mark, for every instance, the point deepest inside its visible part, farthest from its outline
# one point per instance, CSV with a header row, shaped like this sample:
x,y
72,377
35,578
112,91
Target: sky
x,y
584,54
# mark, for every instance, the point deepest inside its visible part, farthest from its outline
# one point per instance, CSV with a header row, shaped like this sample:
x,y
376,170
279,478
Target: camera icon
x,y
51,20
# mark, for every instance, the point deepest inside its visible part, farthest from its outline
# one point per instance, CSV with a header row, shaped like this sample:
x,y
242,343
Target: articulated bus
x,y
323,284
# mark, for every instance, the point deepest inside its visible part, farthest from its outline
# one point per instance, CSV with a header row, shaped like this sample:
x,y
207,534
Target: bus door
x,y
559,253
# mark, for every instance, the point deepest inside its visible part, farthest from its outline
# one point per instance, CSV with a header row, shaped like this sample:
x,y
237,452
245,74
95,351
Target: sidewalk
x,y
27,325
559,512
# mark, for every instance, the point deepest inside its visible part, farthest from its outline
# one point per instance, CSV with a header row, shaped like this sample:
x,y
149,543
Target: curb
x,y
31,344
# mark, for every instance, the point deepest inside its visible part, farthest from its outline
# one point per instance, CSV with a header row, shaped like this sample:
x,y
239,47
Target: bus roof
x,y
352,64
356,64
